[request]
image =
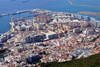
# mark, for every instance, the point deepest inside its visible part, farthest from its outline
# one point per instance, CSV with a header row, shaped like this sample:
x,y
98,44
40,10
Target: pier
x,y
89,13
83,5
18,12
24,11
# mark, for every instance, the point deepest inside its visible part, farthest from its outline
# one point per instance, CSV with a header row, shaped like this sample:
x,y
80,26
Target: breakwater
x,y
18,12
71,2
89,13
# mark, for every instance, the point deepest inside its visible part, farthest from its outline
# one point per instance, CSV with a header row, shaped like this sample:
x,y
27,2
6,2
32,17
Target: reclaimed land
x,y
90,13
92,61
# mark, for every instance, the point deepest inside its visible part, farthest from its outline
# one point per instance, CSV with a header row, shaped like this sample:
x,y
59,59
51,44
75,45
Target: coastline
x,y
11,29
33,10
54,6
12,25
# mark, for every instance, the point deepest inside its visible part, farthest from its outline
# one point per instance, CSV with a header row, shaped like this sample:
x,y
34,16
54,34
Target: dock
x,y
18,12
35,12
89,13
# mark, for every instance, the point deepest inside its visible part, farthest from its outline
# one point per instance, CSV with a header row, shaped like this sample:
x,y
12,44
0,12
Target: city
x,y
48,37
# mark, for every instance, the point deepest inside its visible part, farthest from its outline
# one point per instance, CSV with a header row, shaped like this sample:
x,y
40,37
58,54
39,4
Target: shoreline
x,y
11,26
33,10
11,29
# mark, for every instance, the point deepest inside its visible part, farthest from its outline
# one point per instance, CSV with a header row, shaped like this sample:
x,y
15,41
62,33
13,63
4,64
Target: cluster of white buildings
x,y
65,37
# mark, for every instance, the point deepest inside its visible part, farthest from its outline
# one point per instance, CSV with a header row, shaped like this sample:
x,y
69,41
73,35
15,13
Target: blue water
x,y
8,6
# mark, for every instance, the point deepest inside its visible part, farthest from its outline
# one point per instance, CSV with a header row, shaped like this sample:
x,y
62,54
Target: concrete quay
x,y
18,12
89,13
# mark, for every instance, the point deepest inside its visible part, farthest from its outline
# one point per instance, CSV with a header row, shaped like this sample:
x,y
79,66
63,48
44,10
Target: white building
x,y
50,35
88,31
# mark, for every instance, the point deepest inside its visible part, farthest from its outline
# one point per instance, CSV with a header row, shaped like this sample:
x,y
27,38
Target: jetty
x,y
18,12
83,5
89,13
24,11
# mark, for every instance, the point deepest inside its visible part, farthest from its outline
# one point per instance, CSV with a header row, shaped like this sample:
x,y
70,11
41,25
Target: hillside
x,y
92,61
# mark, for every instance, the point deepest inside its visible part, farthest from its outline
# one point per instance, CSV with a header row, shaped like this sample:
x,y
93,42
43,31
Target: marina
x,y
18,5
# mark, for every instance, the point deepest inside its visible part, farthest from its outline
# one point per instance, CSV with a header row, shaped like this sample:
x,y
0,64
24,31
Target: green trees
x,y
95,38
92,61
1,54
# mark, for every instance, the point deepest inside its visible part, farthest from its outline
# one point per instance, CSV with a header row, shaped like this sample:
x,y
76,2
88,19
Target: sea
x,y
9,6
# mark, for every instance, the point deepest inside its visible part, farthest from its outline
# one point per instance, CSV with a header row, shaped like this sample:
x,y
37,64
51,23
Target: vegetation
x,y
93,40
1,54
92,61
